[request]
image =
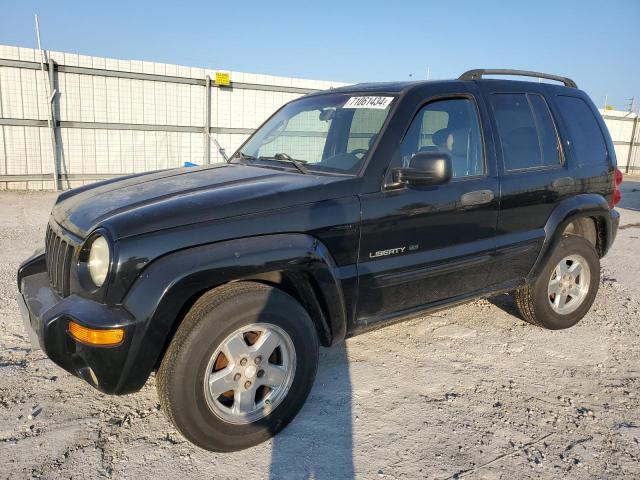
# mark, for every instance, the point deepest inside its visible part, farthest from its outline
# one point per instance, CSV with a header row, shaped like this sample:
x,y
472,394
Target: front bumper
x,y
46,317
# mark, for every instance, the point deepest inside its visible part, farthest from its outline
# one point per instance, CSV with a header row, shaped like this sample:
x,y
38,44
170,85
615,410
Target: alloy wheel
x,y
569,284
250,373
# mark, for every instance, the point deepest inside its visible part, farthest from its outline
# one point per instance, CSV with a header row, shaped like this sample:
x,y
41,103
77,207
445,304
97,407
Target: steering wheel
x,y
359,151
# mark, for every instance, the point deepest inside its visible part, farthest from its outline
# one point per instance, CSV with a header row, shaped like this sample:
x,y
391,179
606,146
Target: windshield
x,y
330,133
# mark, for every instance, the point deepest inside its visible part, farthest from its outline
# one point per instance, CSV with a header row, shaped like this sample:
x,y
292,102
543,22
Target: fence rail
x,y
149,76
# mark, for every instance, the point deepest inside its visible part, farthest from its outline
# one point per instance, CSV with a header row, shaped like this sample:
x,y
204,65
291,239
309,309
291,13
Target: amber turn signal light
x,y
93,336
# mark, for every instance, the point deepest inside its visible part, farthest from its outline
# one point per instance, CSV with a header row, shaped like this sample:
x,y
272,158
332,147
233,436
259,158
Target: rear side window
x,y
527,133
585,136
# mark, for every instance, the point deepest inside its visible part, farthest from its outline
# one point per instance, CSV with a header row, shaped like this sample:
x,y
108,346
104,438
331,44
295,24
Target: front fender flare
x,y
159,295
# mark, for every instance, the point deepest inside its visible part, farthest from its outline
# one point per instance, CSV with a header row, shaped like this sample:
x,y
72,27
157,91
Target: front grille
x,y
58,254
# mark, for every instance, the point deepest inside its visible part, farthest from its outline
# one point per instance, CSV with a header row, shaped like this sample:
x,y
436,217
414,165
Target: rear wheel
x,y
239,367
565,289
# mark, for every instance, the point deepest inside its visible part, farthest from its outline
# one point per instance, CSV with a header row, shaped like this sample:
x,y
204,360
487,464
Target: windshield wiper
x,y
285,157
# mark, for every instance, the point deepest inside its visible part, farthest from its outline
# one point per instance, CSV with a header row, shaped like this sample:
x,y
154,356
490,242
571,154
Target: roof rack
x,y
478,73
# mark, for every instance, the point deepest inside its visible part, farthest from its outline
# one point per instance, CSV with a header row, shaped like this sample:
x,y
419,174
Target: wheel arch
x,y
298,264
587,215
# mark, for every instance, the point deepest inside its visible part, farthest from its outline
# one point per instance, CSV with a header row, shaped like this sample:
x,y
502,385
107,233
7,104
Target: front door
x,y
422,245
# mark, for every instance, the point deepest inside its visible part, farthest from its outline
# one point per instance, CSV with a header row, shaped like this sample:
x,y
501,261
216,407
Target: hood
x,y
153,201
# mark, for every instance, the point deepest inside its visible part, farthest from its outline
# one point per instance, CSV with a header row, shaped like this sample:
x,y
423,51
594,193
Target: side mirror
x,y
425,168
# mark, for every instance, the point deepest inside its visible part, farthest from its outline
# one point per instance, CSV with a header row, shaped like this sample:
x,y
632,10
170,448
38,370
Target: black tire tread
x,y
205,303
524,304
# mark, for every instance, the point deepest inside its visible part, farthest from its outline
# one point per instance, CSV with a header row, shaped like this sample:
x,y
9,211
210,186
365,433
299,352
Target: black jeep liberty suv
x,y
345,211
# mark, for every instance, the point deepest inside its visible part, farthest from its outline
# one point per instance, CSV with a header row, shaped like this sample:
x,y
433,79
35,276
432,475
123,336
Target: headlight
x,y
99,259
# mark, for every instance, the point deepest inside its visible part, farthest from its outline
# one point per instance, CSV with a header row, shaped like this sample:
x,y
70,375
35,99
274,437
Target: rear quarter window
x,y
526,130
585,137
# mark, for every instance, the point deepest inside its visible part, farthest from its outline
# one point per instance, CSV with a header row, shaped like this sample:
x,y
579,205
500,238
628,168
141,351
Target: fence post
x,y
53,122
207,120
632,144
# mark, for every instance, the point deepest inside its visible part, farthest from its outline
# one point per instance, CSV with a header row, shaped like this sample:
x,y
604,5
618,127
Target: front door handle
x,y
479,197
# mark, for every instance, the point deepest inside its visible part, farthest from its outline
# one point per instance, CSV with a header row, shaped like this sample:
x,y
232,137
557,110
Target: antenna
x,y
221,151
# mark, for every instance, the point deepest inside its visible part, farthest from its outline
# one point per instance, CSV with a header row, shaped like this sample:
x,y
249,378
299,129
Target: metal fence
x,y
624,128
114,117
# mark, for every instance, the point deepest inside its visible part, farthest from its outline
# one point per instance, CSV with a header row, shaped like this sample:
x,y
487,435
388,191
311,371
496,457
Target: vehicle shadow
x,y
630,190
507,303
318,443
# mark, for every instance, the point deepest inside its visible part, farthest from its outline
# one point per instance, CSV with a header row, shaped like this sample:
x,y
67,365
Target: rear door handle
x,y
479,197
563,182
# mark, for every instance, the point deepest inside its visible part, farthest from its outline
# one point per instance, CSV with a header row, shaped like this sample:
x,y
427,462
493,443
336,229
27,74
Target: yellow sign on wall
x,y
223,78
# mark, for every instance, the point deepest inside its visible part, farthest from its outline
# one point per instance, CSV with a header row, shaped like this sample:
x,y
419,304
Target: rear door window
x,y
585,136
527,133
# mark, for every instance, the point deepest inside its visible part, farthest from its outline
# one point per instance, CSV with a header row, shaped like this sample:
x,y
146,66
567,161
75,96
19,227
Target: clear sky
x,y
595,42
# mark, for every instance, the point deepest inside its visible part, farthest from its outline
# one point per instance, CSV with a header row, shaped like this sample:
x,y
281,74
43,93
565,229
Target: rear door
x,y
533,173
422,245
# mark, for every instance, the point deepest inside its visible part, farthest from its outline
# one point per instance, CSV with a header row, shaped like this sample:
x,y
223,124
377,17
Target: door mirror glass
x,y
425,168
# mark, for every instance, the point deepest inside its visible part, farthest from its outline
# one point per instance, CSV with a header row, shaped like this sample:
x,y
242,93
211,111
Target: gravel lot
x,y
468,392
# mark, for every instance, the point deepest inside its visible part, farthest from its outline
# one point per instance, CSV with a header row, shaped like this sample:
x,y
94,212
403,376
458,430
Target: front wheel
x,y
565,289
239,368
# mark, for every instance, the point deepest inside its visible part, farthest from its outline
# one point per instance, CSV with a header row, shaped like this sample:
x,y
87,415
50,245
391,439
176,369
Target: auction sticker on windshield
x,y
368,102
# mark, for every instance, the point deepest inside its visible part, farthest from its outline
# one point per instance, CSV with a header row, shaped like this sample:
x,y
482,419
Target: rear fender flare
x,y
579,206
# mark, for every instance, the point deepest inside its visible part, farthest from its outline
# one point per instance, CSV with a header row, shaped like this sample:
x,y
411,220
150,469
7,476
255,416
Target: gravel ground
x,y
468,392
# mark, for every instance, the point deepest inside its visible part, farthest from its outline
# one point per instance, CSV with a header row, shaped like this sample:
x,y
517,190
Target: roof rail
x,y
478,73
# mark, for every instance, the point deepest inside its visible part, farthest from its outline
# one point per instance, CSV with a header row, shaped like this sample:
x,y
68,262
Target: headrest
x,y
440,137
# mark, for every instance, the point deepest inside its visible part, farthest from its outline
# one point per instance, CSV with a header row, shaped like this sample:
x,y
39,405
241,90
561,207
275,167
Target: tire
x,y
210,420
534,300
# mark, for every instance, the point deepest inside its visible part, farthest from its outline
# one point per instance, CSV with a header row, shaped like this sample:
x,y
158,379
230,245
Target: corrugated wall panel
x,y
11,92
114,152
99,85
137,101
150,153
112,100
29,91
102,151
15,150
